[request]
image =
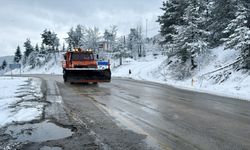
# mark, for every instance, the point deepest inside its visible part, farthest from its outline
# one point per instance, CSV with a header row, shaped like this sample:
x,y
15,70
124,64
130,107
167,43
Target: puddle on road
x,y
38,132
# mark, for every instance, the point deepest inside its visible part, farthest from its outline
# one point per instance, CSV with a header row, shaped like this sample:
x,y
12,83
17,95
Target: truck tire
x,y
64,76
65,79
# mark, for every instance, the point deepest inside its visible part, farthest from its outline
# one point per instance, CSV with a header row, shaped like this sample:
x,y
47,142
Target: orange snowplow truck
x,y
81,67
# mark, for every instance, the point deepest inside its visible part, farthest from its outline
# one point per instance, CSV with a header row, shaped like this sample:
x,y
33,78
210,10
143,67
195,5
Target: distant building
x,y
103,46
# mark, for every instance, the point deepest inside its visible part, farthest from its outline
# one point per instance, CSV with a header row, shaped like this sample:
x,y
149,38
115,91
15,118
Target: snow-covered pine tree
x,y
18,55
222,13
239,30
28,49
75,37
31,60
92,38
47,38
70,39
79,36
122,47
190,40
206,7
173,16
50,39
37,48
63,48
4,65
55,43
42,48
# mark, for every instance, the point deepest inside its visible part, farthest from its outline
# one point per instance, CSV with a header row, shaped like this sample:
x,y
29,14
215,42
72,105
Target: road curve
x,y
174,118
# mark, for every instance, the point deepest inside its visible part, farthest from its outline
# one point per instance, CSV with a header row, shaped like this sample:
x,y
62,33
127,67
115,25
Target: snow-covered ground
x,y
20,100
143,69
236,84
51,67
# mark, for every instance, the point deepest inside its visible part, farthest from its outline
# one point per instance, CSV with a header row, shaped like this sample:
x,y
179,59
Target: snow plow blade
x,y
85,76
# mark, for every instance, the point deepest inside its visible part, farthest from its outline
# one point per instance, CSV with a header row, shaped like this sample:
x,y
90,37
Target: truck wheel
x,y
107,73
64,76
65,79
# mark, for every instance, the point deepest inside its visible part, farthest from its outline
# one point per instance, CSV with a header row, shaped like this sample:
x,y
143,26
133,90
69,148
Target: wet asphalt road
x,y
154,114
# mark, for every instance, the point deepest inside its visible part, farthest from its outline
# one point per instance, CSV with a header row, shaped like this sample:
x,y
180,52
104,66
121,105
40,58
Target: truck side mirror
x,y
64,56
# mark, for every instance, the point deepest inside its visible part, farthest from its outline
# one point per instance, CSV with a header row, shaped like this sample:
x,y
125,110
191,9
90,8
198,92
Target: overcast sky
x,y
21,19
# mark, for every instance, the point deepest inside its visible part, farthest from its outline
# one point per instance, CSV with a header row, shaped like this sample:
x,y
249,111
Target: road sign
x,y
14,66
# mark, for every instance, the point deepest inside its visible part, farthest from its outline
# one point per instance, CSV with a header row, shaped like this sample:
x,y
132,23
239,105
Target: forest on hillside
x,y
192,28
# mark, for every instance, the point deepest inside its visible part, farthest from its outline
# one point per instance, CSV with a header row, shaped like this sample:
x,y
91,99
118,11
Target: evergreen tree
x,y
28,49
191,28
63,48
56,42
70,39
79,36
239,38
173,16
47,37
31,60
190,40
18,55
205,21
4,65
207,6
42,49
222,13
37,48
50,39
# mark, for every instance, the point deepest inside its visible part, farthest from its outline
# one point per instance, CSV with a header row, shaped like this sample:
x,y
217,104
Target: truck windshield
x,y
81,56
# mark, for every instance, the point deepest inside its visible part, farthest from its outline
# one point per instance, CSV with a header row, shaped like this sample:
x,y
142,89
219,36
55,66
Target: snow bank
x,y
20,100
142,69
51,67
226,82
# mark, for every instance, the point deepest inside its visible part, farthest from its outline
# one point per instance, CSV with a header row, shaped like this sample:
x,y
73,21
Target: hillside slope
x,y
216,75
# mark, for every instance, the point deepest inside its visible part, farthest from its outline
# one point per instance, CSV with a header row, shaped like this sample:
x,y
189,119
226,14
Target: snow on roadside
x,y
51,67
20,100
237,85
142,69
